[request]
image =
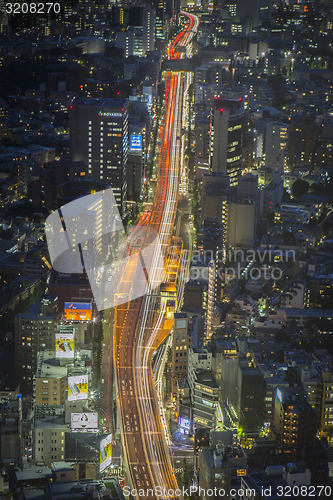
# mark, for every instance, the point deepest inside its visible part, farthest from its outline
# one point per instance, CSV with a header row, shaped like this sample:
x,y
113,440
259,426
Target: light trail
x,y
137,323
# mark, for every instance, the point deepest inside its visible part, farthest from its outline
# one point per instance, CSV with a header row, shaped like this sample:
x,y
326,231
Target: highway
x,y
139,325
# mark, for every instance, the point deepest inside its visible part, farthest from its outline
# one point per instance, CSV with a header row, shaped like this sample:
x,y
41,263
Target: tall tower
x,y
99,137
226,138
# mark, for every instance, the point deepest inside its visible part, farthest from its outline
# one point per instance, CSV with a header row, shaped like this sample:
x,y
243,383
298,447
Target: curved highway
x,y
137,325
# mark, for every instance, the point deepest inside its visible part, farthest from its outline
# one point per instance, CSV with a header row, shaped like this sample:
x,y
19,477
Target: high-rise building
x,y
226,138
202,142
250,395
204,398
240,224
160,7
326,414
211,298
34,332
295,421
215,188
181,342
204,388
254,10
99,137
270,197
148,27
243,390
276,145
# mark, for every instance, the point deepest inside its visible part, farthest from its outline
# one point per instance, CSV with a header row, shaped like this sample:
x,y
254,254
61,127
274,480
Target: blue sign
x,y
78,305
136,143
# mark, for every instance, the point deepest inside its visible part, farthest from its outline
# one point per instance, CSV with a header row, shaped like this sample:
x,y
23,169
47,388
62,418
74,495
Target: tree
x,y
329,432
276,81
299,188
185,476
270,217
169,355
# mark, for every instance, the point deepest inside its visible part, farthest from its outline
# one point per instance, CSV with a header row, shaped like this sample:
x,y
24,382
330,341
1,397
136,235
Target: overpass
x,y
177,65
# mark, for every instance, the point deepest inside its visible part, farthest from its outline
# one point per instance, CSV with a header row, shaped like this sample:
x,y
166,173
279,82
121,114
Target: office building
x,y
202,143
295,421
276,146
34,332
181,342
326,414
99,137
271,384
49,434
214,195
10,430
239,224
270,197
204,398
211,297
219,466
250,395
148,28
243,390
226,138
50,380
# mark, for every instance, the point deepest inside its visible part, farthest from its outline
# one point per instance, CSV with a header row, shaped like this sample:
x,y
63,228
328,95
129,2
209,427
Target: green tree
x,y
329,432
169,355
270,217
185,475
299,188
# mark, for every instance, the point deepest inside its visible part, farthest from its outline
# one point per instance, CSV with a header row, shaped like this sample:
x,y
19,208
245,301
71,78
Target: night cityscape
x,y
166,249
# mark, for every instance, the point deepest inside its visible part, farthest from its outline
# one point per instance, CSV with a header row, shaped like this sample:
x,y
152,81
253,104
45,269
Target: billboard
x,y
64,345
279,395
105,452
84,422
78,311
136,142
77,387
184,423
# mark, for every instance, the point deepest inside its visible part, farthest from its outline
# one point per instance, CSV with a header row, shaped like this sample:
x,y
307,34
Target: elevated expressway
x,y
141,325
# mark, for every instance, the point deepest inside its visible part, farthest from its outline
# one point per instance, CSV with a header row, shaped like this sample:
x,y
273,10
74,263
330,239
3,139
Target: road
x,y
138,323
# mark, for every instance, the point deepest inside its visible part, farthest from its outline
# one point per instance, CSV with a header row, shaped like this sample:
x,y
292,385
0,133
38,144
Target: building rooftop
x,y
33,474
86,489
104,102
205,377
49,366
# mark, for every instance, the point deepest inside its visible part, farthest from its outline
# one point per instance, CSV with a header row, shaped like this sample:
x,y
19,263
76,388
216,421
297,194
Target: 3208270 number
x,y
33,8
304,491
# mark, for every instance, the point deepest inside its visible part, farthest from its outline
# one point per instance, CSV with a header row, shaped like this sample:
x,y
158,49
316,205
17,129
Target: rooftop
x,y
205,377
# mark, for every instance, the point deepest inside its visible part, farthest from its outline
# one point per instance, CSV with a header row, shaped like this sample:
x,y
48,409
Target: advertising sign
x,y
77,387
279,395
78,311
136,142
64,345
84,422
184,423
105,452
